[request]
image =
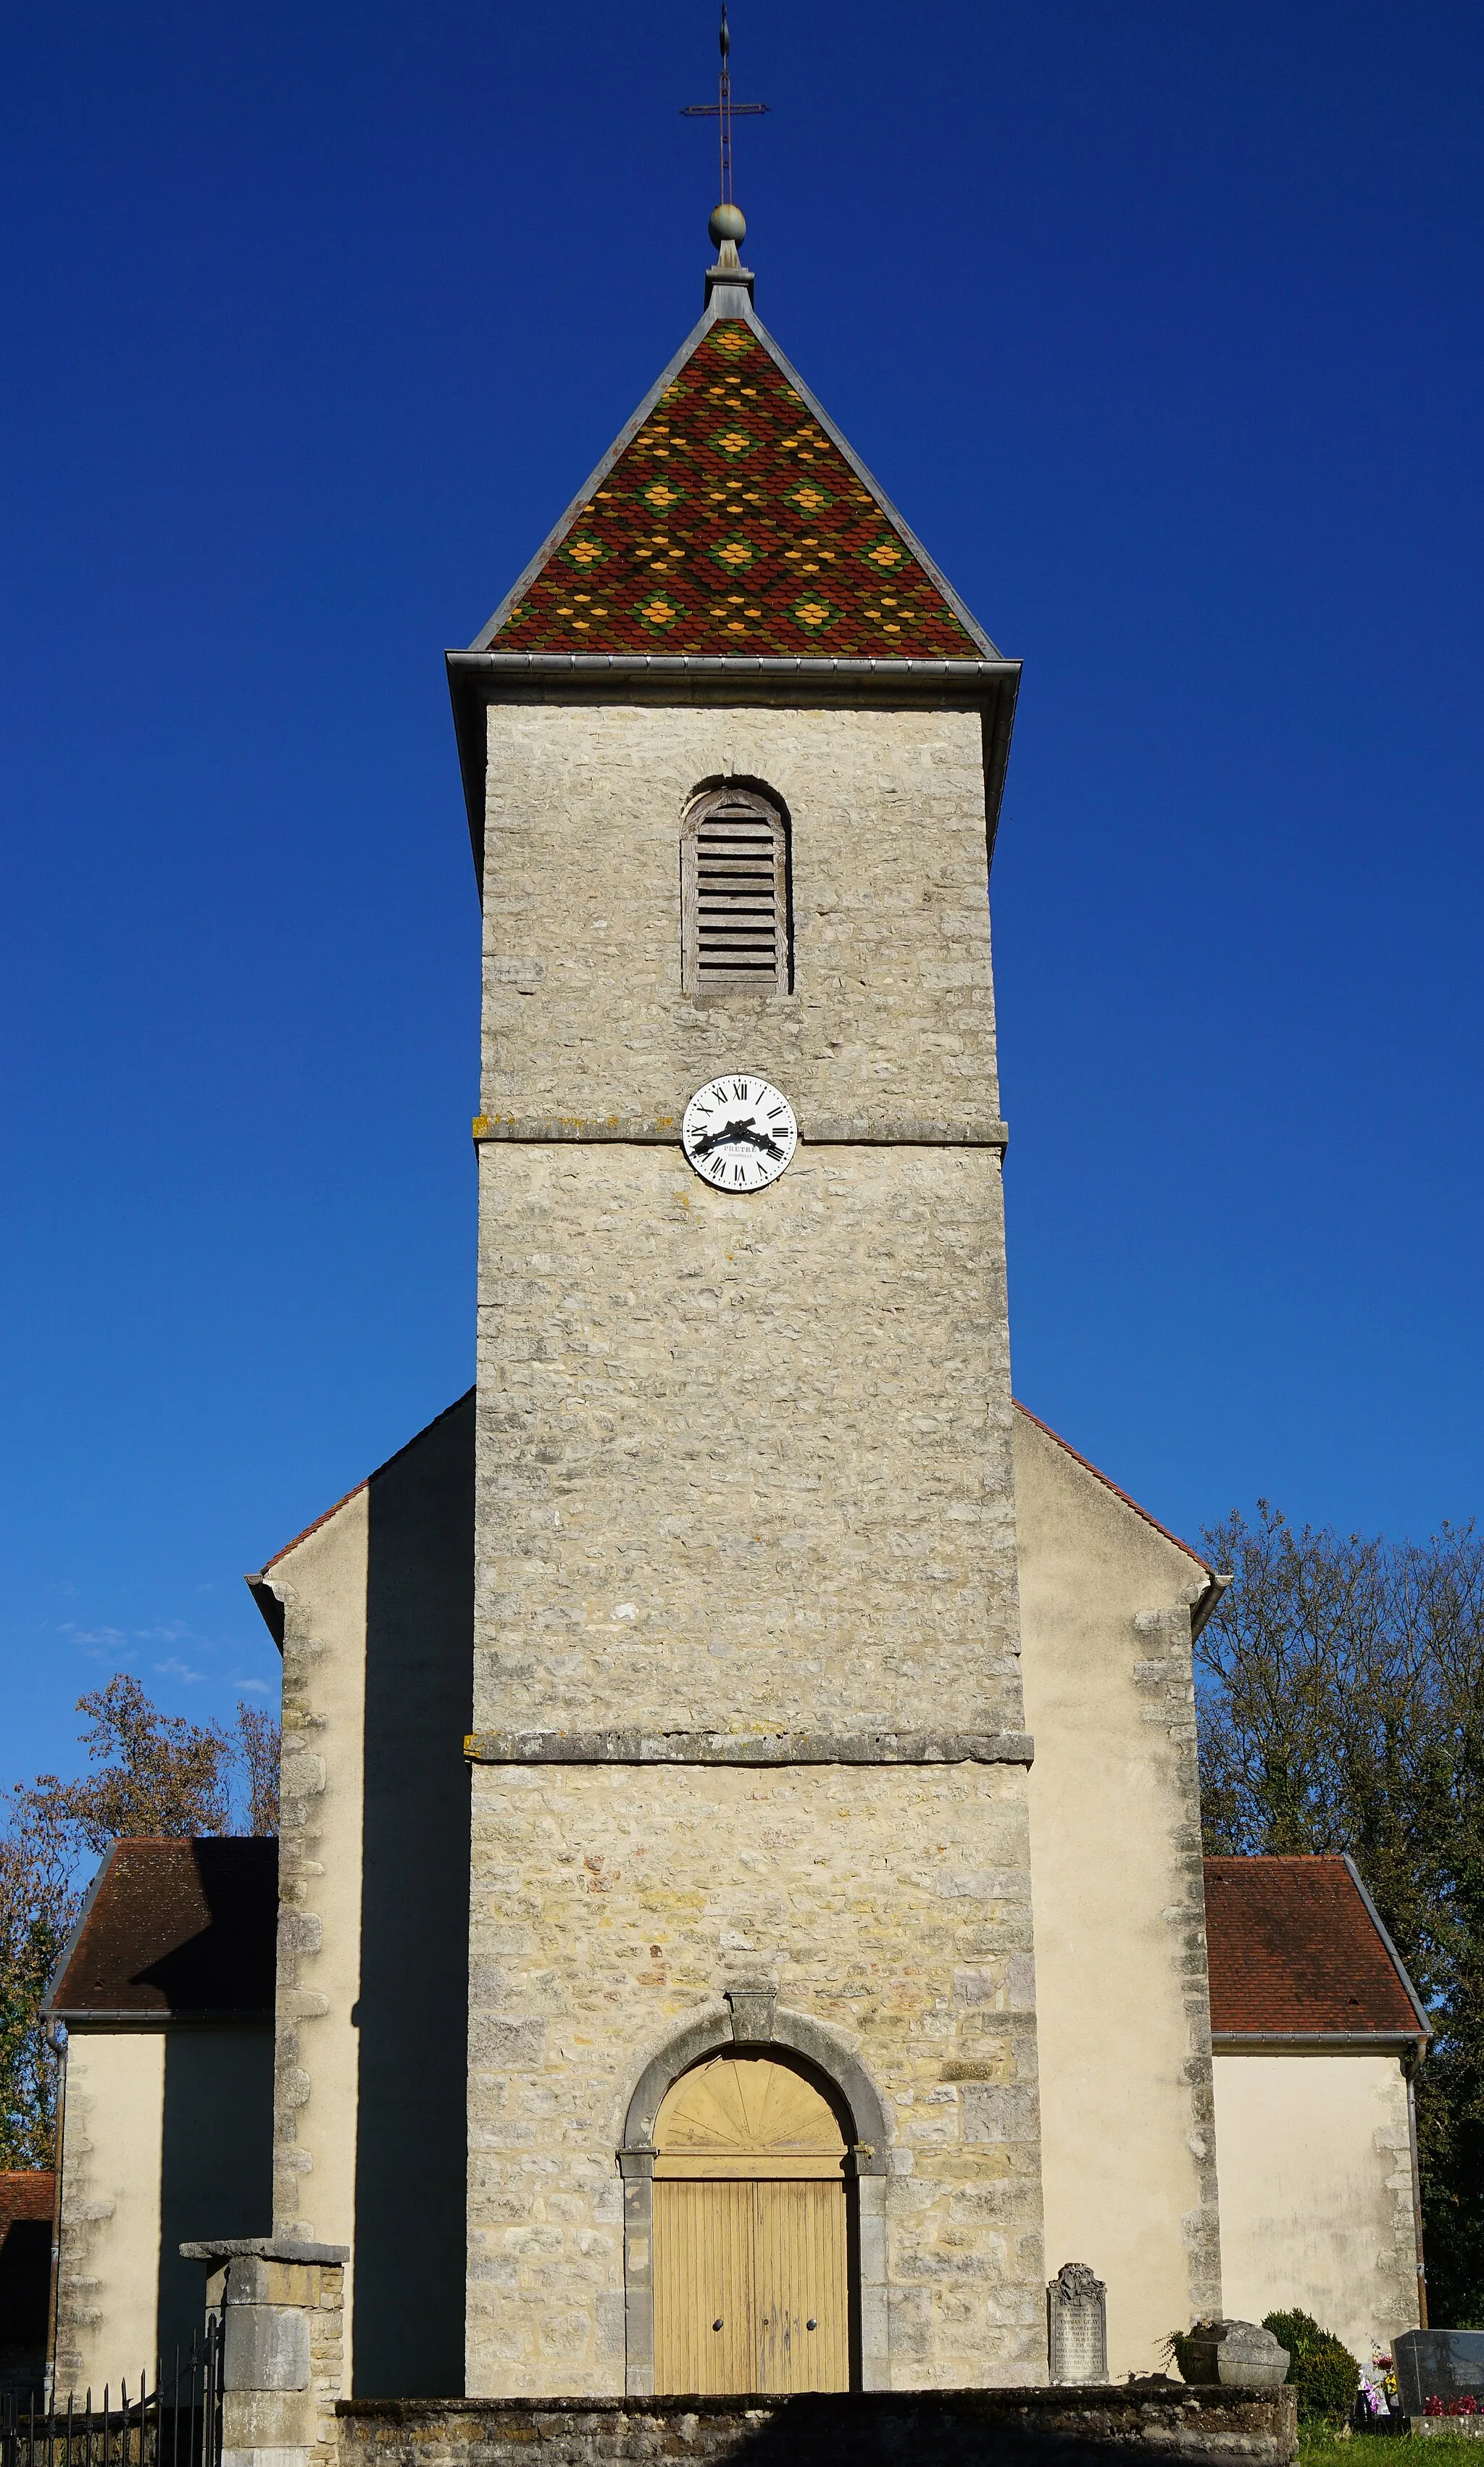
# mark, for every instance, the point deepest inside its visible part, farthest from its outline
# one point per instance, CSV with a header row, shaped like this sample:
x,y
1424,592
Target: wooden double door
x,y
752,2261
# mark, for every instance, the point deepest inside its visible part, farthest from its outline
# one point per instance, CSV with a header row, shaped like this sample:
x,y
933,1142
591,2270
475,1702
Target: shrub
x,y
1322,2371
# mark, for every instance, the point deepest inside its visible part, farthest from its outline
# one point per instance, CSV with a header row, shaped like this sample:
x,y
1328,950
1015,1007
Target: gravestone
x,y
1240,2355
1446,2365
1077,2324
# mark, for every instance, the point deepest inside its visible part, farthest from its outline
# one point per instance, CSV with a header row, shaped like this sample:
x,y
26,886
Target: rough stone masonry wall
x,y
610,1905
744,1465
1220,2428
891,1017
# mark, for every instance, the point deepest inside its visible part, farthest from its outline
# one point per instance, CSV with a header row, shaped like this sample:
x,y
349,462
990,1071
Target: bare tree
x,y
257,1748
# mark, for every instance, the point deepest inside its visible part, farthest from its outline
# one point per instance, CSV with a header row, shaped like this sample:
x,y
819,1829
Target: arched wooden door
x,y
751,2281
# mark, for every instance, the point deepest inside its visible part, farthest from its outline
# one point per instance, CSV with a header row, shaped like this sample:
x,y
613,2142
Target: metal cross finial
x,y
724,110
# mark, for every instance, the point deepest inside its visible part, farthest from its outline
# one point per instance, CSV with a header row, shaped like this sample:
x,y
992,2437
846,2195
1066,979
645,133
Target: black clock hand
x,y
756,1138
733,1133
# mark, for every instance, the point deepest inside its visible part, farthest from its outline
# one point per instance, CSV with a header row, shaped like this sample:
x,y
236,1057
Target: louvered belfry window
x,y
735,895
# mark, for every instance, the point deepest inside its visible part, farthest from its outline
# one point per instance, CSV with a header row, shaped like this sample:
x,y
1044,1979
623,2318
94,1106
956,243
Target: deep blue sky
x,y
1162,324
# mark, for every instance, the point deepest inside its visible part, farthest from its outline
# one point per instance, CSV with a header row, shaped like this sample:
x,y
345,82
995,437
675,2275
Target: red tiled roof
x,y
1296,1952
732,522
175,1927
25,2193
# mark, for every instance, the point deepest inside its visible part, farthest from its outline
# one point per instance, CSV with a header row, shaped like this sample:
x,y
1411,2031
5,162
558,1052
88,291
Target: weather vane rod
x,y
724,110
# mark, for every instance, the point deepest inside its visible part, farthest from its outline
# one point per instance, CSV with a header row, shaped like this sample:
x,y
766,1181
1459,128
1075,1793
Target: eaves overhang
x,y
226,2016
477,678
1320,2043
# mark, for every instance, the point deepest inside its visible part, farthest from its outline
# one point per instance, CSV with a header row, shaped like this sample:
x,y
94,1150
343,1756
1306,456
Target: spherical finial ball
x,y
727,222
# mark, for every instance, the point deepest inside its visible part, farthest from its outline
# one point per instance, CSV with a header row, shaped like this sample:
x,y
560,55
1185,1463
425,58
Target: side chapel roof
x,y
1297,1952
25,2194
174,1928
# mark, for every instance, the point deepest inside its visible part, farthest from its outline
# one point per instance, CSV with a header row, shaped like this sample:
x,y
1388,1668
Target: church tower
x,y
753,2091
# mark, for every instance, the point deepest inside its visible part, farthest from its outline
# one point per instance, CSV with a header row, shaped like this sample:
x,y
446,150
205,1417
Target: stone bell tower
x,y
752,2097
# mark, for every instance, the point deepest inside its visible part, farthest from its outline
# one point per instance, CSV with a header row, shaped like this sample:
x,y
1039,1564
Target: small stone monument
x,y
1240,2354
1077,2324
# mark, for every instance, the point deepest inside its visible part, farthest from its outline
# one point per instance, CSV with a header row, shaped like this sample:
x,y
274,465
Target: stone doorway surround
x,y
751,2018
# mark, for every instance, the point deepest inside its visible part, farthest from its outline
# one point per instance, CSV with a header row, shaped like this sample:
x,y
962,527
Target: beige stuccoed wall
x,y
376,1604
164,2137
1317,2193
611,1906
110,2263
1119,1907
321,1585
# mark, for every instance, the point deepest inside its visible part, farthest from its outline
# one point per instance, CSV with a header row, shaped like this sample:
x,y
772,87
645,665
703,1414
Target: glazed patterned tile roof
x,y
1294,1952
732,522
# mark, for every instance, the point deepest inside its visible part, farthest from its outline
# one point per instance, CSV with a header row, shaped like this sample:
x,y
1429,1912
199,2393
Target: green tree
x,y
1342,1695
149,1774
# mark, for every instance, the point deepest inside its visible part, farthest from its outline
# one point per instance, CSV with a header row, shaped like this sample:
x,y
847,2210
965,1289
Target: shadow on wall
x,y
1006,2427
25,2285
409,2172
215,2160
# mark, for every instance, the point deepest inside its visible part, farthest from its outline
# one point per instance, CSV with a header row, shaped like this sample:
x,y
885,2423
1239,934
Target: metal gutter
x,y
1314,2043
89,2016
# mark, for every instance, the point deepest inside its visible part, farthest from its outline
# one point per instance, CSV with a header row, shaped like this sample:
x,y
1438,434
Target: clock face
x,y
739,1132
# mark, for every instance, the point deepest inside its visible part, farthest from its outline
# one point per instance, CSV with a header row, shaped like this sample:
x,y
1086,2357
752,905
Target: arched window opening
x,y
735,895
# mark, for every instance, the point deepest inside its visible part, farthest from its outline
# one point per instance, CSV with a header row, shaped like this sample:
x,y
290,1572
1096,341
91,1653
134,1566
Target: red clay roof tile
x,y
25,2193
175,1927
1294,1952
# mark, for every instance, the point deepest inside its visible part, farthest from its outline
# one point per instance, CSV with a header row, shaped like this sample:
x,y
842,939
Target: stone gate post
x,y
281,2306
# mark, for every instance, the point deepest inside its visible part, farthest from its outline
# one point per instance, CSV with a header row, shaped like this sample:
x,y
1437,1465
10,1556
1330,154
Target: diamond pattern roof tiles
x,y
733,519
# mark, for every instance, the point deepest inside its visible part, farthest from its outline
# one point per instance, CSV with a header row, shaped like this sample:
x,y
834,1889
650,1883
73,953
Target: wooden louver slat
x,y
735,895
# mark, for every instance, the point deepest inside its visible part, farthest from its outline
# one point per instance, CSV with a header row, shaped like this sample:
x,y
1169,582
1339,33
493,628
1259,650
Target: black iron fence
x,y
175,2424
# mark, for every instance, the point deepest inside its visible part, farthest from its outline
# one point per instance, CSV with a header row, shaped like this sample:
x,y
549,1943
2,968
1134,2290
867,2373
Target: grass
x,y
1322,2445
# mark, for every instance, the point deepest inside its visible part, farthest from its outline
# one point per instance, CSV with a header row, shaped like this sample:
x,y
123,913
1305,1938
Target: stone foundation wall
x,y
1041,2428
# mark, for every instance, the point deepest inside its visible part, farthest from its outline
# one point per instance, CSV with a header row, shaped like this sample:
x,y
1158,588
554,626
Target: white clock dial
x,y
739,1132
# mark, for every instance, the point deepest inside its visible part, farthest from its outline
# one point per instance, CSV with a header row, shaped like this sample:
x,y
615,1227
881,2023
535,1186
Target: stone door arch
x,y
815,2056
752,2231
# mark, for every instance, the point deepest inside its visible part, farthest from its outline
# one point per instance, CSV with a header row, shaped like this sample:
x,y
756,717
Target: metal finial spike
x,y
725,38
